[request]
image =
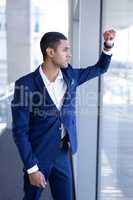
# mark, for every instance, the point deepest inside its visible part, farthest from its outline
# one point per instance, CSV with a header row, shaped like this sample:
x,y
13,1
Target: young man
x,y
43,112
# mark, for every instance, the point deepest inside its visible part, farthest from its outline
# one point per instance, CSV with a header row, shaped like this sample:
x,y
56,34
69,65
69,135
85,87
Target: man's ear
x,y
50,52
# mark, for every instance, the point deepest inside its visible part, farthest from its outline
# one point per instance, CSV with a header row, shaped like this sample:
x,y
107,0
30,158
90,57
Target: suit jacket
x,y
36,121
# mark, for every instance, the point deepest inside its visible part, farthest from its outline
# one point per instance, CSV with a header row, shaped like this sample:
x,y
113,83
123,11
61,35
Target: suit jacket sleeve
x,y
20,124
84,74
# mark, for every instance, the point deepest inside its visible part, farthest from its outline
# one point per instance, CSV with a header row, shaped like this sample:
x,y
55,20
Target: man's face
x,y
62,54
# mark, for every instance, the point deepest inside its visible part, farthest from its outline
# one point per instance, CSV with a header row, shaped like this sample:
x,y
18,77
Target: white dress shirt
x,y
55,89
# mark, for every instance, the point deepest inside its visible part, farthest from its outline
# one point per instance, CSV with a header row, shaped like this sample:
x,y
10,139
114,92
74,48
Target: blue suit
x,y
37,121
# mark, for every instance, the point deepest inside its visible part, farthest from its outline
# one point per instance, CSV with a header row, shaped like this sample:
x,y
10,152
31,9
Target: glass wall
x,y
116,127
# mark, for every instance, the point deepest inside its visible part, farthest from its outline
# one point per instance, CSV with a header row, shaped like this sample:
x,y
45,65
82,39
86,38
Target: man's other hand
x,y
37,179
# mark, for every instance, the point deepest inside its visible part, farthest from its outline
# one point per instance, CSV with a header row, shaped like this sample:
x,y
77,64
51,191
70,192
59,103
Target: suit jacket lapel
x,y
68,82
66,78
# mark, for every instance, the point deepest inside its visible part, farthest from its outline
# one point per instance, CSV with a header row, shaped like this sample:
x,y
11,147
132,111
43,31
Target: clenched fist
x,y
109,37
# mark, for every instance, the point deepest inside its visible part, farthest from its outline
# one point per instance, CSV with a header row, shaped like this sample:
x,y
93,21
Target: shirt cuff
x,y
110,52
33,169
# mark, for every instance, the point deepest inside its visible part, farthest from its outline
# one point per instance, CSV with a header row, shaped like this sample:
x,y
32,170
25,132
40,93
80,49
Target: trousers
x,y
60,178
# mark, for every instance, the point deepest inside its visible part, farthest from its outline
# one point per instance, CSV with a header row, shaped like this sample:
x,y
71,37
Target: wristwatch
x,y
108,45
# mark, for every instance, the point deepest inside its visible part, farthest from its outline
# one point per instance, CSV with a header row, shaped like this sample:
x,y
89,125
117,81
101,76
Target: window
x,y
116,127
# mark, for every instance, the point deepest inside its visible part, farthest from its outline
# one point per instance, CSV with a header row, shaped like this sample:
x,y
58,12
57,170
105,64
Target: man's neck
x,y
50,70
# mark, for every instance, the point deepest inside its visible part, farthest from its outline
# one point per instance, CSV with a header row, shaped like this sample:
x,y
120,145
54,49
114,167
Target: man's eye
x,y
66,50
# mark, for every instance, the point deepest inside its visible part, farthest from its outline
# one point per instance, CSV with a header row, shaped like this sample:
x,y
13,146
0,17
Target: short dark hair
x,y
52,40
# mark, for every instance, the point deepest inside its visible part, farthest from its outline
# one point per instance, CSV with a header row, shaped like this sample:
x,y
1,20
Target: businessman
x,y
43,115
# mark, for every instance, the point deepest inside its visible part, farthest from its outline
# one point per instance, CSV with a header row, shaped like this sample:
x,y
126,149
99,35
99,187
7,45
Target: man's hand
x,y
37,179
109,37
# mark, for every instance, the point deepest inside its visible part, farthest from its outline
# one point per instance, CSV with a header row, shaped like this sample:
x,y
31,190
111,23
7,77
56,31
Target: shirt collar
x,y
45,79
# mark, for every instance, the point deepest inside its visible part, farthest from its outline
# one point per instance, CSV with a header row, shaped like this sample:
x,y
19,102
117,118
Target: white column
x,y
85,39
18,38
74,39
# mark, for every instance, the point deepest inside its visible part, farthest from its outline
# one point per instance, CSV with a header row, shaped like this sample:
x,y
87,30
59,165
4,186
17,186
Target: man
x,y
43,112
